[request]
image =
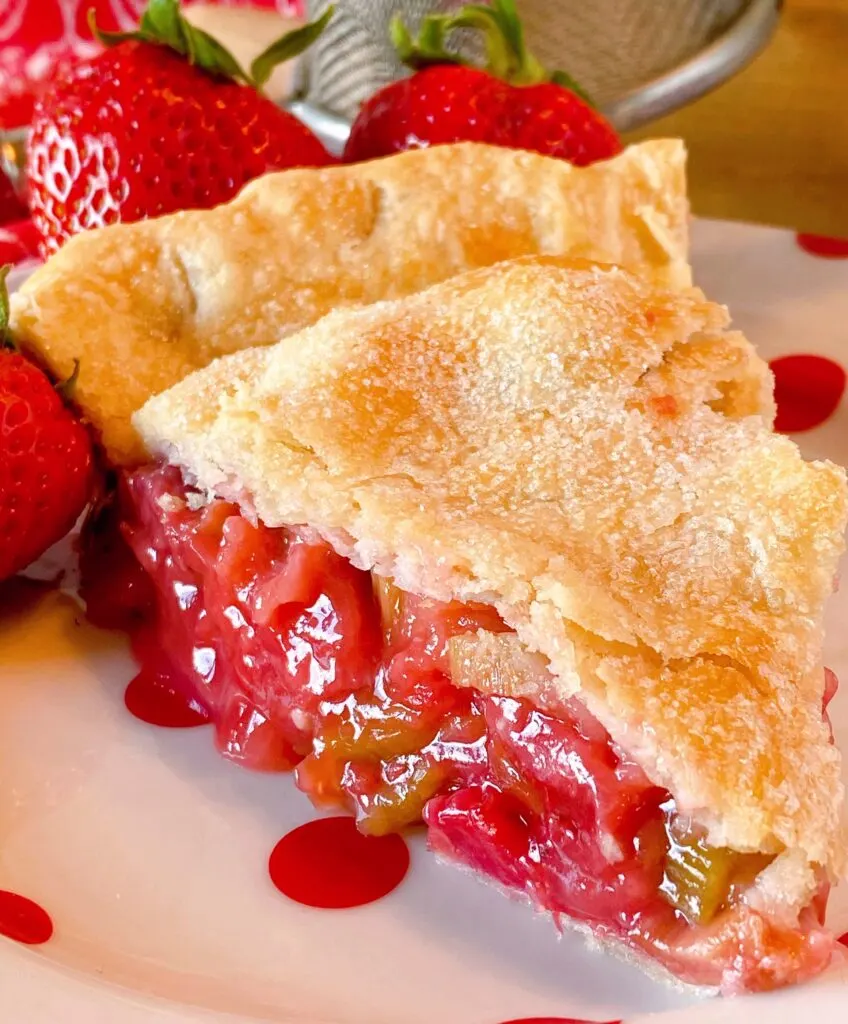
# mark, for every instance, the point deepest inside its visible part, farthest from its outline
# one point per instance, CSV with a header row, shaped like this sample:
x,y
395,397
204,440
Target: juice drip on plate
x,y
152,699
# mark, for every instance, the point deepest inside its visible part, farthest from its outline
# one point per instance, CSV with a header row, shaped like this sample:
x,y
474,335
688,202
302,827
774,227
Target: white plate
x,y
150,851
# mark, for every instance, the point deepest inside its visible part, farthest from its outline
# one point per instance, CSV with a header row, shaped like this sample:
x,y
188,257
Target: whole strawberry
x,y
162,120
513,101
46,465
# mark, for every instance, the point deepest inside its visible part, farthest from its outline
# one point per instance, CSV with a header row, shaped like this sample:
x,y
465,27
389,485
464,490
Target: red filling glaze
x,y
329,863
299,665
23,920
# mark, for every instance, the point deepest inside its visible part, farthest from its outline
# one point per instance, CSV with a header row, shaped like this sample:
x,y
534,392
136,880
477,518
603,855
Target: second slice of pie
x,y
522,557
142,305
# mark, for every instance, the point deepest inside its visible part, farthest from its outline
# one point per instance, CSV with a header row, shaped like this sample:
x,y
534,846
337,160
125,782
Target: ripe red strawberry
x,y
11,208
439,104
163,120
46,465
513,101
555,121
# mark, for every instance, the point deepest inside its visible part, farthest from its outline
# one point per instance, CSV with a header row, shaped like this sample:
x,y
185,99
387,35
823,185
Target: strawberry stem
x,y
427,49
507,56
65,388
6,340
164,24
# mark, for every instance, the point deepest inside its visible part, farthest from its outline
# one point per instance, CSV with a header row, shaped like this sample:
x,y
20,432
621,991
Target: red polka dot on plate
x,y
821,245
152,699
807,390
844,939
23,920
329,863
554,1020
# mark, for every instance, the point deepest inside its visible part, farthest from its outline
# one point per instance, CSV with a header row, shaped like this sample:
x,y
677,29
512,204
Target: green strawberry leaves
x,y
567,82
428,48
507,56
205,52
163,21
292,44
164,24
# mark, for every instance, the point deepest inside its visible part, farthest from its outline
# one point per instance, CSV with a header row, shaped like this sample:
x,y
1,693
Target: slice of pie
x,y
521,556
141,305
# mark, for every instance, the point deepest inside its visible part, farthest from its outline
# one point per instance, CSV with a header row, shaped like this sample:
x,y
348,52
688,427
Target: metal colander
x,y
637,58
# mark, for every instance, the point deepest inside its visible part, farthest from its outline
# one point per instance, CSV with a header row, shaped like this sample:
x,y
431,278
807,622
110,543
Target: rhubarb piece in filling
x,y
381,702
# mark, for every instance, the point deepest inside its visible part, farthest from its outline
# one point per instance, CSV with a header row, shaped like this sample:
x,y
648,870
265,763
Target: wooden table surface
x,y
771,145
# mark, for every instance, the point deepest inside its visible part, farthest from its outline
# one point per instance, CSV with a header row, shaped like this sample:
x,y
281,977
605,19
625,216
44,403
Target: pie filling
x,y
303,662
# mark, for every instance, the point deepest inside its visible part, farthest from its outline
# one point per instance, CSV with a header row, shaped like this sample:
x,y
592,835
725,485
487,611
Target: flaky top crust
x,y
141,305
593,456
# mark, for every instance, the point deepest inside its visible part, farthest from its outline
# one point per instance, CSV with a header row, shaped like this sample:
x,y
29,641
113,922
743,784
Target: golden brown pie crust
x,y
594,456
141,305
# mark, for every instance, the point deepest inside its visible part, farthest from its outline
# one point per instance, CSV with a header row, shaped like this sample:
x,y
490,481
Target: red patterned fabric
x,y
35,34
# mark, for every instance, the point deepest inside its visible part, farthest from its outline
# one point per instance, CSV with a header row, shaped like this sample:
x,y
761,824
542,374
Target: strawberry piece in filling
x,y
304,662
